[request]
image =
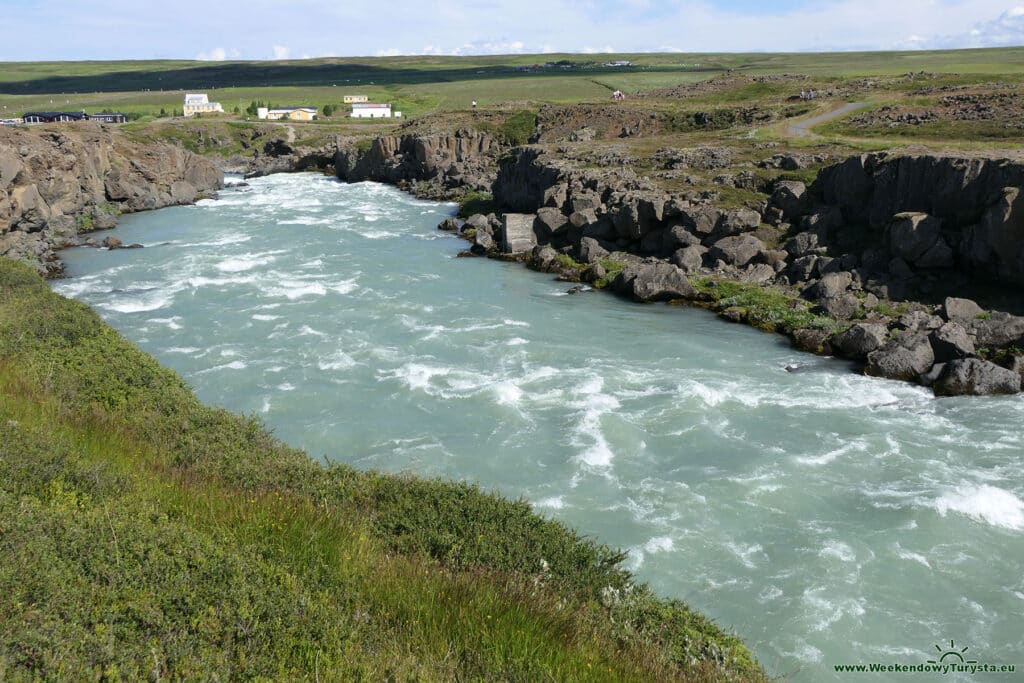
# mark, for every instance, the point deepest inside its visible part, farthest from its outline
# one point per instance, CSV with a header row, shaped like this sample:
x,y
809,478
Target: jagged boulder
x,y
950,342
905,358
790,197
961,310
999,329
550,223
657,281
701,219
975,377
690,259
860,340
738,221
738,250
678,237
591,250
804,244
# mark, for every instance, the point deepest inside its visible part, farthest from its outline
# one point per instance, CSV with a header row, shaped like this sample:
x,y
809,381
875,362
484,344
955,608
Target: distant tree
x,y
237,110
253,108
163,113
329,109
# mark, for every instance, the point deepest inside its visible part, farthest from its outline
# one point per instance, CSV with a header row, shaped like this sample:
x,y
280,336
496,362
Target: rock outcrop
x,y
58,184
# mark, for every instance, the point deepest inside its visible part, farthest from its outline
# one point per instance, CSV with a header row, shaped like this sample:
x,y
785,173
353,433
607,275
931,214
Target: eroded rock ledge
x,y
869,263
56,185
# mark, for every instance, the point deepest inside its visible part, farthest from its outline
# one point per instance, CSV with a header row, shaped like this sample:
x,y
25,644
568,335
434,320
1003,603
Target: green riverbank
x,y
150,536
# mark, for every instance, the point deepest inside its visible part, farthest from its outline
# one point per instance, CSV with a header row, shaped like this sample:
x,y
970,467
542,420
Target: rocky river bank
x,y
880,259
57,184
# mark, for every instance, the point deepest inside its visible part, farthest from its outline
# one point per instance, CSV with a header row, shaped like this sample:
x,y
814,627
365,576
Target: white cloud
x,y
450,27
1007,29
217,54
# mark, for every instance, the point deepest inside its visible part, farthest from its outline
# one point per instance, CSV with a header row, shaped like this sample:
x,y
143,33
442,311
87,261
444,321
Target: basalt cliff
x,y
873,261
58,184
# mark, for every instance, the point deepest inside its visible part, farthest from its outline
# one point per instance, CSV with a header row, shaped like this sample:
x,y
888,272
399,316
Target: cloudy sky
x,y
283,29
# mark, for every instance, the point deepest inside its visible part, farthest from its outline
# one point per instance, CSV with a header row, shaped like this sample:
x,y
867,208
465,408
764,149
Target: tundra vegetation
x,y
155,537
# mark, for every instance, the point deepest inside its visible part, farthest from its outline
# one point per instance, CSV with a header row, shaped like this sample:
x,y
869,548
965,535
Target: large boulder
x,y
790,197
950,342
804,244
678,237
656,281
517,235
829,286
550,222
998,329
975,377
737,222
961,310
906,358
591,250
860,340
738,250
690,259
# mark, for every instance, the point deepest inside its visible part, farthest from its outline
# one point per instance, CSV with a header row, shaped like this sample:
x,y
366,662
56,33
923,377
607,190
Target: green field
x,y
419,85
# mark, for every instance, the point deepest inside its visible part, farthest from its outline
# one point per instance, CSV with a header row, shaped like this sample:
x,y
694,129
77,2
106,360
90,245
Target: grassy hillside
x,y
149,536
424,84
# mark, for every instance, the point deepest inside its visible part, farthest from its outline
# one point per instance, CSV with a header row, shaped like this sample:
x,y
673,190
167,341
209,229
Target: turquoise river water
x,y
826,517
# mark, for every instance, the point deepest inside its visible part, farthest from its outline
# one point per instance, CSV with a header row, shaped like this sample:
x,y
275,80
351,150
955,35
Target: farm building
x,y
54,116
70,116
290,113
199,103
351,99
366,110
108,117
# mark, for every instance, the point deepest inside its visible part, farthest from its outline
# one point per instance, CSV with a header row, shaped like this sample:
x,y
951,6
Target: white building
x,y
368,110
199,103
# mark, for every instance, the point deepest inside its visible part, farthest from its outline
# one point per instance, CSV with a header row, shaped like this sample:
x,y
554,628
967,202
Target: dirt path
x,y
802,129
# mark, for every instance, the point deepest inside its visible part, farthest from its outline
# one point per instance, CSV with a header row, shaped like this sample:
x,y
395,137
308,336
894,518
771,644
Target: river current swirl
x,y
826,517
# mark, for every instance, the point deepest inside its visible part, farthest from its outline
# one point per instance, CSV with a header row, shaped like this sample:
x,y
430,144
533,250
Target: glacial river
x,y
826,517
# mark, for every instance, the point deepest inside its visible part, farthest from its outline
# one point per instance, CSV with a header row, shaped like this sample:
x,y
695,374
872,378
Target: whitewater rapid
x,y
827,517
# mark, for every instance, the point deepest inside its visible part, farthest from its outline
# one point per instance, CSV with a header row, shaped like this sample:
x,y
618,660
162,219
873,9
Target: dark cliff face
x,y
58,182
463,159
975,204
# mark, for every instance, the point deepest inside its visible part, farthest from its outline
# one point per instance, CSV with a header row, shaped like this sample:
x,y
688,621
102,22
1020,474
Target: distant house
x,y
11,122
367,110
622,62
109,117
199,103
351,99
67,117
290,113
54,116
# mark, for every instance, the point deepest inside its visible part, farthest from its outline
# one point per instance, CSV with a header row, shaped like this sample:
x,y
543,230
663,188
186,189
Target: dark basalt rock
x,y
975,377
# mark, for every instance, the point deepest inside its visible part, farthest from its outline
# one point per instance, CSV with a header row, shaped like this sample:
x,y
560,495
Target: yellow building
x,y
351,99
290,113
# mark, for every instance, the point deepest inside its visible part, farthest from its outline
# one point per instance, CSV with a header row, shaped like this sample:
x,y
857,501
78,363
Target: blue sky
x,y
281,29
